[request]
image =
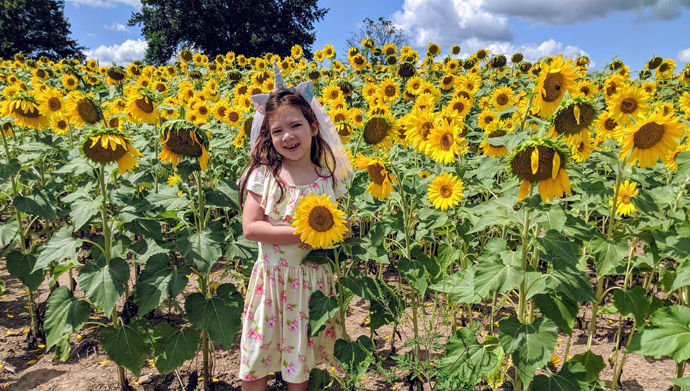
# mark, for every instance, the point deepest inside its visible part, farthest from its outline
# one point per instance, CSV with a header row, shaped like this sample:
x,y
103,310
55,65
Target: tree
x,y
213,27
36,28
380,32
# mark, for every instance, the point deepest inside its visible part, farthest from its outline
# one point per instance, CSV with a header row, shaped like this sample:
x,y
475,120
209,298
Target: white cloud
x,y
106,3
116,27
122,54
530,51
684,56
449,22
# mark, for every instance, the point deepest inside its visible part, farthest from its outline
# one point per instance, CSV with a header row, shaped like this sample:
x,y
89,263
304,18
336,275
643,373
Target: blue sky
x,y
632,30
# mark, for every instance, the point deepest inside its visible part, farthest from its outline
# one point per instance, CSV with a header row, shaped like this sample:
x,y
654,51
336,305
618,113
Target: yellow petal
x,y
535,160
555,165
31,362
576,111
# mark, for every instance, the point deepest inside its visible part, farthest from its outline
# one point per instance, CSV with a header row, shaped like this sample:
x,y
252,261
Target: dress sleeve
x,y
257,180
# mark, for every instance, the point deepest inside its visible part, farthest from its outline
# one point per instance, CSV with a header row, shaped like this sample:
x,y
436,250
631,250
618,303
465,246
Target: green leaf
x,y
668,334
460,286
157,280
683,382
62,245
570,378
319,379
202,249
129,345
491,275
632,303
672,246
9,169
682,276
608,254
218,316
469,359
145,249
321,309
593,364
531,345
65,314
8,231
571,282
242,249
147,227
104,285
38,205
82,209
215,197
554,242
354,356
577,228
555,218
559,308
414,272
167,199
22,266
171,348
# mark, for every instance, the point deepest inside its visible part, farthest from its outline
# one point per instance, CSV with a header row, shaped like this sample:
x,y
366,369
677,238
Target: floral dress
x,y
275,319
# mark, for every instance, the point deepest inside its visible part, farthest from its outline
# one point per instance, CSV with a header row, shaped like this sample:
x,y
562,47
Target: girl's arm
x,y
258,230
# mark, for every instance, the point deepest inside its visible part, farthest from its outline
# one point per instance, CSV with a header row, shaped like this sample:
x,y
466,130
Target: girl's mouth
x,y
292,147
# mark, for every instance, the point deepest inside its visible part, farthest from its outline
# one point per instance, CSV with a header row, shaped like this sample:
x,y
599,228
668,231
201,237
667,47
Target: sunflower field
x,y
506,217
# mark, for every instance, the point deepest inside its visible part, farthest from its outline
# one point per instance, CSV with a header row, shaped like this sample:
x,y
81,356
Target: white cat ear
x,y
259,102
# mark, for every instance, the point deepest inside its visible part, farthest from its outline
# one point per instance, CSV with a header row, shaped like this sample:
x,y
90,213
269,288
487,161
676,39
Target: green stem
x,y
104,215
341,299
680,370
595,310
523,264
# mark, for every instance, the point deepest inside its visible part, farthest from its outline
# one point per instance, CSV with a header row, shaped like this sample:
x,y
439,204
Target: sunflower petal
x,y
576,112
535,160
555,165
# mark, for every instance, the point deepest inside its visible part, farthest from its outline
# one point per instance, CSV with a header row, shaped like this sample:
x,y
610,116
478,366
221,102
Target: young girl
x,y
287,162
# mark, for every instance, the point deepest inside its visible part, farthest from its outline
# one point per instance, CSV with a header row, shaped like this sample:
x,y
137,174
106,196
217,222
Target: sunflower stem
x,y
523,263
341,300
104,215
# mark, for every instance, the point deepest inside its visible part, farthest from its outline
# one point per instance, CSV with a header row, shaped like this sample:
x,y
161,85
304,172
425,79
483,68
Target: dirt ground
x,y
88,368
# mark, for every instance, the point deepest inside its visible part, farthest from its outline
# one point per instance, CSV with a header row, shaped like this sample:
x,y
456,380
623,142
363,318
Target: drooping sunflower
x,y
502,98
444,142
623,205
650,139
319,222
183,138
142,108
82,110
572,117
554,80
445,191
628,101
108,145
543,161
382,180
25,110
378,132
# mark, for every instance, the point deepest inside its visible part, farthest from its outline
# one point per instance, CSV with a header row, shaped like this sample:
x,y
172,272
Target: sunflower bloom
x,y
554,80
541,161
444,142
382,180
623,205
82,110
445,191
319,222
109,146
142,108
650,139
671,162
493,150
378,132
183,138
628,101
26,112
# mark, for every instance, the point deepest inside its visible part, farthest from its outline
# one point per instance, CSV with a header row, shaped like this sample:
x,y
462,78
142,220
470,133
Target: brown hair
x,y
264,153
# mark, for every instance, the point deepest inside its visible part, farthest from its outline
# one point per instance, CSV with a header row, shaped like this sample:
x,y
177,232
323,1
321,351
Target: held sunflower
x,y
445,191
319,222
108,145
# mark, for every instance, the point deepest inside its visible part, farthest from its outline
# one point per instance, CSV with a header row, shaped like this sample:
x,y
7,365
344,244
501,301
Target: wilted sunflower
x,y
623,206
25,110
445,191
628,101
82,110
319,222
554,80
378,132
650,139
572,117
444,142
142,108
183,138
382,180
108,145
540,160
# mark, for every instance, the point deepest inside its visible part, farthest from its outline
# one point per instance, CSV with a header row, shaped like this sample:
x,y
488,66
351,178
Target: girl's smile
x,y
292,134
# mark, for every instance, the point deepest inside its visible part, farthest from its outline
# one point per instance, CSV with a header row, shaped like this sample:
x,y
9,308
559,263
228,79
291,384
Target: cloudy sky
x,y
631,30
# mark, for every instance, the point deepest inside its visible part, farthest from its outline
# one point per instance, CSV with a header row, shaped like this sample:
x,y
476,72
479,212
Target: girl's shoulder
x,y
259,178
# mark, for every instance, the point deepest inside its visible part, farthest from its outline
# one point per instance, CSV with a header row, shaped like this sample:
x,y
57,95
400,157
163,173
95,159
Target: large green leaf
x,y
672,245
632,302
9,169
460,286
559,308
65,314
571,282
683,382
104,285
8,231
608,254
39,204
62,245
554,242
149,228
491,275
531,345
129,345
220,317
570,378
682,276
321,309
593,364
467,358
202,249
145,249
167,199
242,249
354,356
414,271
157,280
216,197
82,209
319,379
668,334
171,348
21,266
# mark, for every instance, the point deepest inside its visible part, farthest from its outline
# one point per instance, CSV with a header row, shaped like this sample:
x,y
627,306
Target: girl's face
x,y
291,134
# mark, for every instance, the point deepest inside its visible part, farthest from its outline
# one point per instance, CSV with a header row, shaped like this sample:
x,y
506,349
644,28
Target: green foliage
x,y
21,266
593,364
467,358
65,314
354,356
157,280
128,345
219,315
171,348
321,309
104,285
531,345
667,334
60,247
570,378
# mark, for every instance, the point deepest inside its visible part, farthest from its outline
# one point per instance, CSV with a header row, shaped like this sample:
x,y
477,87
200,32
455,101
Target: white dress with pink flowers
x,y
276,311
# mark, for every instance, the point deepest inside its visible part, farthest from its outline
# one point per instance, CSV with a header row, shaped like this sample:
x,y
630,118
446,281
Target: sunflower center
x,y
459,107
584,90
389,91
71,81
611,89
182,143
488,119
552,87
54,104
446,191
497,133
98,154
375,130
221,111
339,117
447,80
376,173
203,110
426,129
610,124
320,219
446,142
522,163
628,105
566,123
144,104
30,114
233,116
502,99
648,135
114,122
464,94
88,111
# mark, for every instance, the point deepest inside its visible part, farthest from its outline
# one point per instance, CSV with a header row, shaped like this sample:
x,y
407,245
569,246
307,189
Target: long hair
x,y
264,153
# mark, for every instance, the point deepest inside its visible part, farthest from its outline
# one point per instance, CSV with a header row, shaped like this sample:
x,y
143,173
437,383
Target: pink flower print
x,y
250,316
245,360
281,280
301,358
308,263
276,249
250,377
290,307
268,302
315,186
321,284
255,335
305,369
265,347
306,284
271,321
265,257
288,349
305,247
324,356
302,315
266,361
310,343
279,348
294,325
330,332
290,369
283,297
282,262
287,218
294,284
259,290
330,292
